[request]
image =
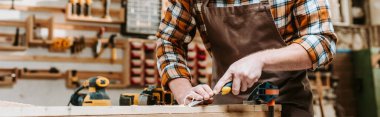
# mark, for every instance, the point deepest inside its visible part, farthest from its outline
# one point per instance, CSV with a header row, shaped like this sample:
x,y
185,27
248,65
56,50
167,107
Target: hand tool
x,y
99,49
149,96
112,43
61,44
225,90
87,8
73,7
98,45
13,5
78,45
96,95
78,8
106,8
17,39
265,93
74,78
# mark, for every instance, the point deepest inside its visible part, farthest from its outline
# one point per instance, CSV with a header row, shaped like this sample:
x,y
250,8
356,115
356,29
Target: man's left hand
x,y
243,74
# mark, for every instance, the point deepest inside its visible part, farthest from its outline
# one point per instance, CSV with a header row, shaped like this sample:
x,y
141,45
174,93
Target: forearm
x,y
179,86
292,57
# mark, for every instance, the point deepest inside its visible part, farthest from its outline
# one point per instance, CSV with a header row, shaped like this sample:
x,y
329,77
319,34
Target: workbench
x,y
236,110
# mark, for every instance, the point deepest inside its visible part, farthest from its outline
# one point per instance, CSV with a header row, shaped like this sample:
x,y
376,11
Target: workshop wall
x,y
50,92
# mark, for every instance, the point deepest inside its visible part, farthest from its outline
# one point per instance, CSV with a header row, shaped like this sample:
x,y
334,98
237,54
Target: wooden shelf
x,y
42,75
119,19
95,11
69,26
90,41
7,35
12,23
109,75
94,19
12,48
58,59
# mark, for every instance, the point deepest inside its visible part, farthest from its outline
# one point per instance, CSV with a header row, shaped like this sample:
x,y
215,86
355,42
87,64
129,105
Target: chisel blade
x,y
194,103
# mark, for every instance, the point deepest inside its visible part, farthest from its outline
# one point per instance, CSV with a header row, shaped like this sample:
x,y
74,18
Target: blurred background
x,y
48,47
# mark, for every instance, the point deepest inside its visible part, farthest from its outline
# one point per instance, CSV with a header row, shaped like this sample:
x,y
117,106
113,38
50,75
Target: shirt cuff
x,y
172,72
316,50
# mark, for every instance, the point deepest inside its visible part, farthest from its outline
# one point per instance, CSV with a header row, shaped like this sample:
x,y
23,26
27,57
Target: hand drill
x,y
96,95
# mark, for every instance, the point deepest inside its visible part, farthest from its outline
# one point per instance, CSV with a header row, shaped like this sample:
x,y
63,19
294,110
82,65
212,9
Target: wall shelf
x,y
58,59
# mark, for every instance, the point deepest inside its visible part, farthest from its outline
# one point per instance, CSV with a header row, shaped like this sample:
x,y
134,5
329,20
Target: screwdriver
x,y
225,90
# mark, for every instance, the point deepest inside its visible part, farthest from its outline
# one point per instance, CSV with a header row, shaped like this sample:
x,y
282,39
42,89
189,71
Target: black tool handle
x,y
271,111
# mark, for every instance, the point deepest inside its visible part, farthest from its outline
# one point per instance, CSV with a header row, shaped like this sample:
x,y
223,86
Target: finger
x,y
208,90
195,96
222,81
244,86
199,90
254,77
236,86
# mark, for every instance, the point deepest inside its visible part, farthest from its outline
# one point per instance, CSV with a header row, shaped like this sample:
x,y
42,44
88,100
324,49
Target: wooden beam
x,y
237,110
57,59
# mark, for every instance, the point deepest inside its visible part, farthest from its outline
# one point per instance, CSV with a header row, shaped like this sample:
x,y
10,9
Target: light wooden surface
x,y
236,110
4,104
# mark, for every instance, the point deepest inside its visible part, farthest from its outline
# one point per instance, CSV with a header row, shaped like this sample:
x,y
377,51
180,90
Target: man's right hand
x,y
184,93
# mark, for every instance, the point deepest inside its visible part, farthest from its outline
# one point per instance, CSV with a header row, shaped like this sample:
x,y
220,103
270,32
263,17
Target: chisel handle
x,y
227,88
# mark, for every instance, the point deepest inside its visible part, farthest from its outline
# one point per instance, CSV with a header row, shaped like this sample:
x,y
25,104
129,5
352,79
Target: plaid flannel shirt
x,y
304,22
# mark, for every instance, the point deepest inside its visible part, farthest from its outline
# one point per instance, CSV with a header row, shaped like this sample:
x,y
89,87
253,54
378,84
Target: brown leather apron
x,y
235,32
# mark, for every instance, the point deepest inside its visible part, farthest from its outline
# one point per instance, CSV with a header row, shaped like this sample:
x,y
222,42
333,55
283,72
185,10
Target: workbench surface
x,y
236,110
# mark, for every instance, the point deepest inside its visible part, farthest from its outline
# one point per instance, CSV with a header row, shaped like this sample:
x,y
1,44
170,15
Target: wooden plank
x,y
239,109
57,59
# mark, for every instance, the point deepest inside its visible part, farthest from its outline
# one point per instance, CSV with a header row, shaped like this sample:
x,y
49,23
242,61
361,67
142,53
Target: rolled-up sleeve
x,y
176,30
315,31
